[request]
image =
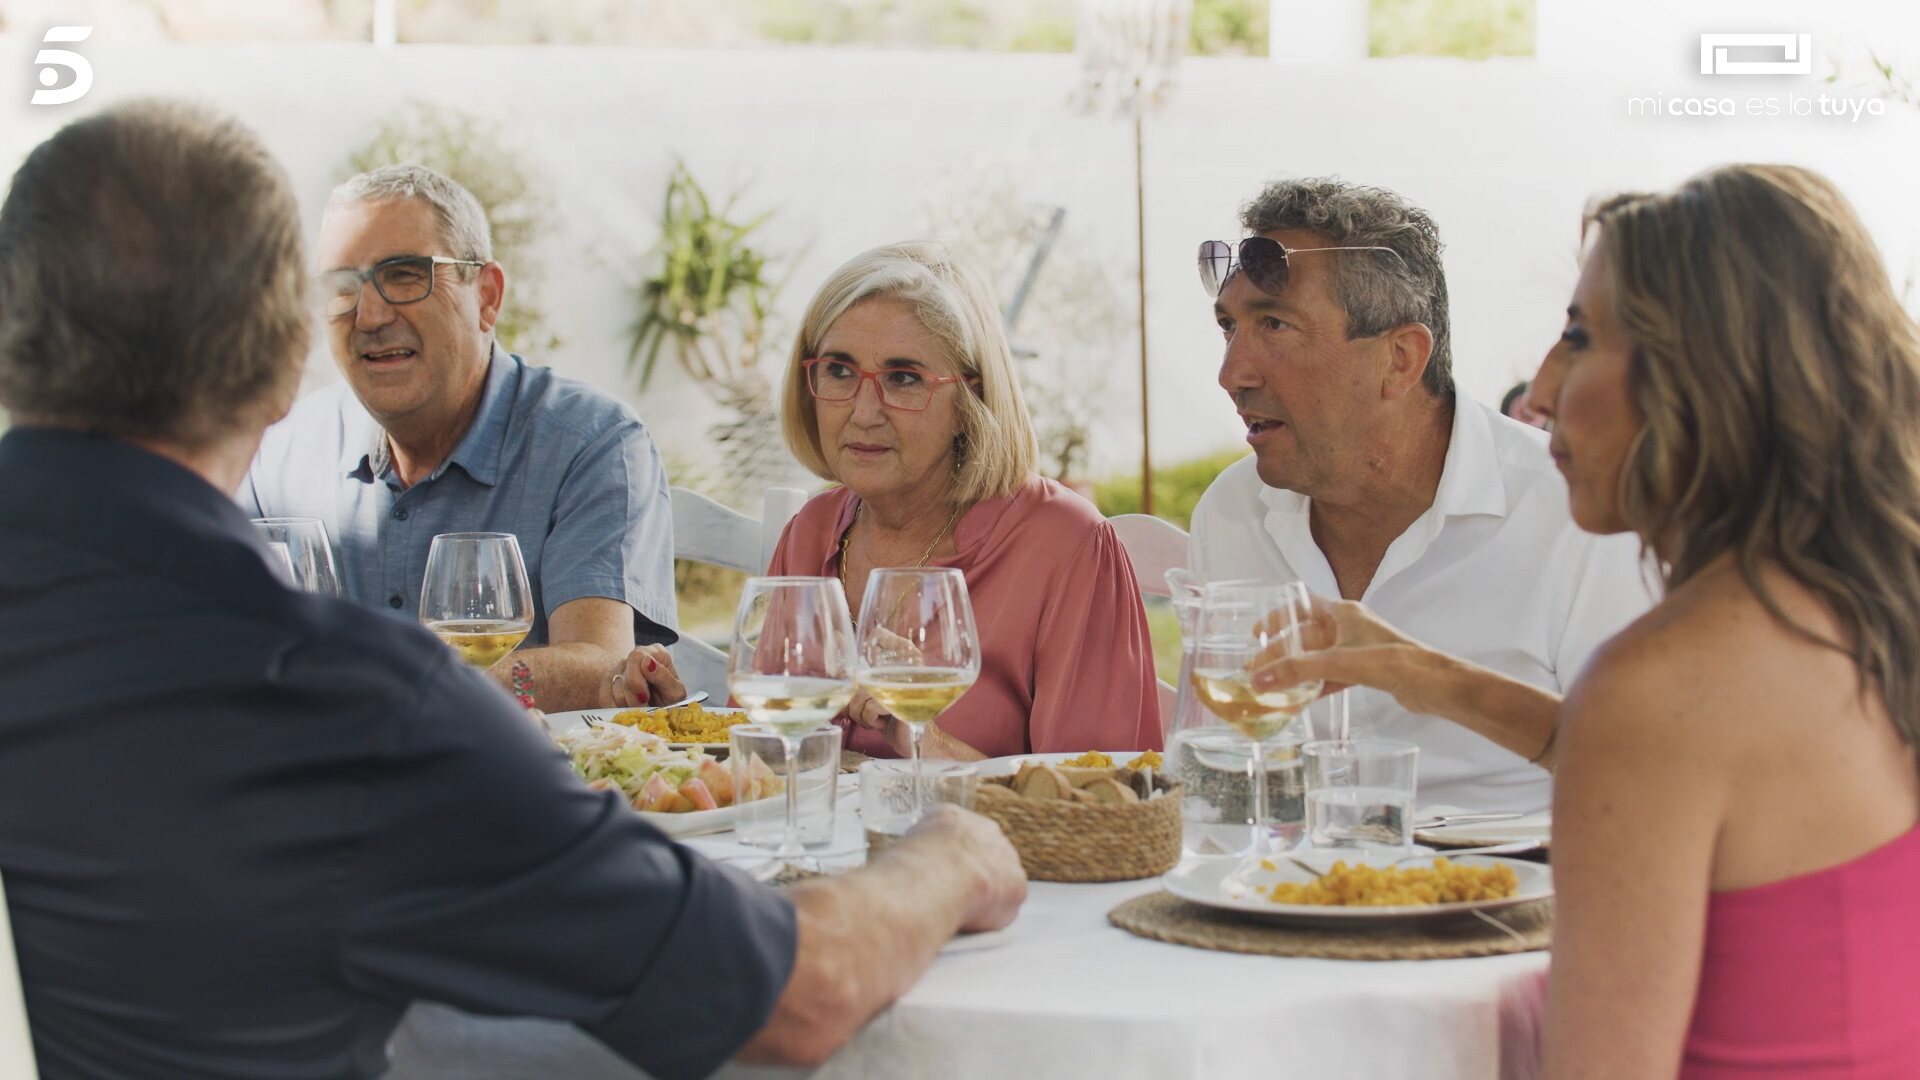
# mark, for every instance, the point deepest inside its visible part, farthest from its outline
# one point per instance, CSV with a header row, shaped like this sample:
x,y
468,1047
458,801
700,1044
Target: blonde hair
x,y
995,450
1779,378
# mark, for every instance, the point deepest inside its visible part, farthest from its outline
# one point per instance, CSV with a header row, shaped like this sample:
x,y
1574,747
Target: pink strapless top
x,y
1815,977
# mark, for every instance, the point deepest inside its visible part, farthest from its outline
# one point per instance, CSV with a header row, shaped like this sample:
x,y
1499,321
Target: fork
x,y
592,720
1493,849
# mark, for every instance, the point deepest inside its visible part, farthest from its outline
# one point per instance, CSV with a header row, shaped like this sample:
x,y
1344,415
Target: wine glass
x,y
919,650
475,596
791,668
307,553
1239,624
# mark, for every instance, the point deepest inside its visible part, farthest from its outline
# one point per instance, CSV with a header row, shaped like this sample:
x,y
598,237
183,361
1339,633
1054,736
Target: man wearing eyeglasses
x,y
438,429
1372,480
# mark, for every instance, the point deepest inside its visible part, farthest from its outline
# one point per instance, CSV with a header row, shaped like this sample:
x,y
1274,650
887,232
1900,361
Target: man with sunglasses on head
x,y
438,429
1373,482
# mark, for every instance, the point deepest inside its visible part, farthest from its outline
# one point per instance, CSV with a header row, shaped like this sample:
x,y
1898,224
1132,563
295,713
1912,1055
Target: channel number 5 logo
x,y
52,60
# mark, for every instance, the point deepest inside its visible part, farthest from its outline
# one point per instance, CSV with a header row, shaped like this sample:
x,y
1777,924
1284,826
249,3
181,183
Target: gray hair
x,y
463,223
1378,293
152,279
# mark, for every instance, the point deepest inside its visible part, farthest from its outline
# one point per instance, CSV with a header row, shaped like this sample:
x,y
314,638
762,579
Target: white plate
x,y
692,823
1007,766
1208,882
576,721
1536,827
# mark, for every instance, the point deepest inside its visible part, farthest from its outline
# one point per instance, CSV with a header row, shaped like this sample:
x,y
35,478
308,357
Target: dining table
x,y
1063,993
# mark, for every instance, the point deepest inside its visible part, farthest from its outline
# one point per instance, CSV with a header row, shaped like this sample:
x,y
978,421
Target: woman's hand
x,y
868,713
1349,646
864,711
646,677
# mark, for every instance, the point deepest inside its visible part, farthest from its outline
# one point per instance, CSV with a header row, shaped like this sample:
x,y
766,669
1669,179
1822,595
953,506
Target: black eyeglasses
x,y
403,279
1262,259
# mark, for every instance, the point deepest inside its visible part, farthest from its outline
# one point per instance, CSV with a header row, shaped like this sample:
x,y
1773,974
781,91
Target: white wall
x,y
850,145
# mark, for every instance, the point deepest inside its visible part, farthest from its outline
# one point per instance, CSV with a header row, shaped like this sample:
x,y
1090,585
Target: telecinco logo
x,y
1795,52
52,60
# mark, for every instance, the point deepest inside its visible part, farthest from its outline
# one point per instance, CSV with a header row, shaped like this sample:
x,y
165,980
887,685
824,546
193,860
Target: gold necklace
x,y
847,537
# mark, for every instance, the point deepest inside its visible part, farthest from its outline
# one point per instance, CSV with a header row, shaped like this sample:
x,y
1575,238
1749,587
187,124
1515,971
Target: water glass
x,y
1214,766
1360,794
889,804
301,548
757,757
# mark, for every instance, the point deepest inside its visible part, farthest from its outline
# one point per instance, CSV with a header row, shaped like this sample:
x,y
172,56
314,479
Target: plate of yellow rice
x,y
701,726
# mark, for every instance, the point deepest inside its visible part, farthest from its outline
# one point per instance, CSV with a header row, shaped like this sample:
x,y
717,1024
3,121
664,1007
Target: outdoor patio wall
x,y
850,146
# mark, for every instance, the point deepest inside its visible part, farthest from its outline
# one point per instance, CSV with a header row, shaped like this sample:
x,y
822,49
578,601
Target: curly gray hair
x,y
1378,294
463,223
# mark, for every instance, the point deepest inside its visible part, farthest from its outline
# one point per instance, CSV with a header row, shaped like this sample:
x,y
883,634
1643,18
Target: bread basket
x,y
1070,841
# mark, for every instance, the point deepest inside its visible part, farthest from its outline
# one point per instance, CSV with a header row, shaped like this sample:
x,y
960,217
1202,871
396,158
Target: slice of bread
x,y
1044,782
1111,791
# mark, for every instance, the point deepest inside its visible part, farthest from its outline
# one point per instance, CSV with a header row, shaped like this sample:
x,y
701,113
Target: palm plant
x,y
709,301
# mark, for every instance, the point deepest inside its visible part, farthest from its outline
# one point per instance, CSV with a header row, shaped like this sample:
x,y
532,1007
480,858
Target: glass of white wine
x,y
300,546
1241,623
475,597
791,668
919,650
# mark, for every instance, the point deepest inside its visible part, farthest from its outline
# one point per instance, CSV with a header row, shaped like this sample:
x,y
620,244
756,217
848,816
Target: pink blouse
x,y
1066,662
1815,977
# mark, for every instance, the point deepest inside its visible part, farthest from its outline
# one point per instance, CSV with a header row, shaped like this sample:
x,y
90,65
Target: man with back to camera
x,y
245,827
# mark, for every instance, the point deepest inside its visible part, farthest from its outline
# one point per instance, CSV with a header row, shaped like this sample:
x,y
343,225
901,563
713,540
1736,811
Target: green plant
x,y
1466,29
1228,28
1163,626
1043,32
1892,81
706,596
470,149
1176,488
709,300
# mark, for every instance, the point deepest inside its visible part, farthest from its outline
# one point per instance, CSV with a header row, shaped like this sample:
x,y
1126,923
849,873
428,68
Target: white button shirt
x,y
1495,571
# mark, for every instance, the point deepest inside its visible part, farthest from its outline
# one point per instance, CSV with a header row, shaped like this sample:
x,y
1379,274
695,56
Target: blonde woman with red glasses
x,y
901,390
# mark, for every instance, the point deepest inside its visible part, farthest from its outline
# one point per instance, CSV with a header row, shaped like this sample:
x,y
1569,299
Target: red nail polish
x,y
651,664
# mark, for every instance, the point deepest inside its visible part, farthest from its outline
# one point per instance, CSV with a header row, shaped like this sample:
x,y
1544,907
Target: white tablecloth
x,y
1070,995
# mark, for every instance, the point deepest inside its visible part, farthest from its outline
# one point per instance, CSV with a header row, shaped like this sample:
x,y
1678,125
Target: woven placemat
x,y
1165,917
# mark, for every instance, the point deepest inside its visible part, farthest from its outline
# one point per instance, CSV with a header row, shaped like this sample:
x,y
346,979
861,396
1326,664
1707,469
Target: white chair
x,y
1154,547
16,1039
706,532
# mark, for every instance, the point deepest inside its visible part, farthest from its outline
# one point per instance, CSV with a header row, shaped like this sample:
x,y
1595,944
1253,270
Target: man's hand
x,y
1347,645
977,846
865,936
646,677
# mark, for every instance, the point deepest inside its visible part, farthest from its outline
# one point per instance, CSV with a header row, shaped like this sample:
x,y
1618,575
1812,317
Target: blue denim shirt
x,y
569,470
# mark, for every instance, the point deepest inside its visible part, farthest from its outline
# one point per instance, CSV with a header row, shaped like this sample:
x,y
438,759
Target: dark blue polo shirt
x,y
241,828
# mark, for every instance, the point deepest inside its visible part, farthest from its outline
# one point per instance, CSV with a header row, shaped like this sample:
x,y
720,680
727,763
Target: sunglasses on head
x,y
1262,259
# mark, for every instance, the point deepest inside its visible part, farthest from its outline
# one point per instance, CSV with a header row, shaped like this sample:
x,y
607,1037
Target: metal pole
x,y
386,23
1140,252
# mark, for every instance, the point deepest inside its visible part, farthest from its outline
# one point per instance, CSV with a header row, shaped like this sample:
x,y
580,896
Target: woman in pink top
x,y
902,390
1735,851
